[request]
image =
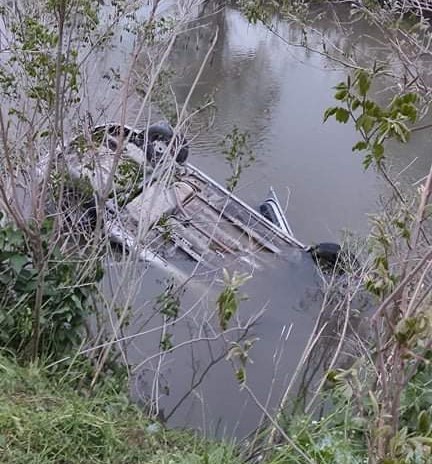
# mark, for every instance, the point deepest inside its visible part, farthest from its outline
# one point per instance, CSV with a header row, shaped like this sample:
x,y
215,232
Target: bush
x,y
65,296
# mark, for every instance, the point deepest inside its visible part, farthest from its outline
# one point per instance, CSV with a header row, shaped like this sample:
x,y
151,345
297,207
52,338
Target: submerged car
x,y
159,206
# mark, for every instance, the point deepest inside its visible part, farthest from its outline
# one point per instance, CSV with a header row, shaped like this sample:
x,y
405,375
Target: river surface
x,y
277,94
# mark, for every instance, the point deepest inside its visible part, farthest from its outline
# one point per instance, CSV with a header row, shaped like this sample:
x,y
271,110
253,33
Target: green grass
x,y
46,420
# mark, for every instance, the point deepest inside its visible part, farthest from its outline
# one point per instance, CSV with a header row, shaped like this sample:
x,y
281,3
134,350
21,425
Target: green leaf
x,y
341,86
346,391
410,97
378,151
330,112
363,82
373,109
410,111
241,375
14,237
424,423
17,262
341,94
400,131
78,302
27,287
367,161
355,104
365,122
362,145
342,115
422,440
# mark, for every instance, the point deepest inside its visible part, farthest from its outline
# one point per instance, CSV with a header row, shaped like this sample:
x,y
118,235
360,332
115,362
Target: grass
x,y
45,420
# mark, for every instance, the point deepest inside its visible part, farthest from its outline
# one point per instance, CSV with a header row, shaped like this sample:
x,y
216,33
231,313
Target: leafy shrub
x,y
64,298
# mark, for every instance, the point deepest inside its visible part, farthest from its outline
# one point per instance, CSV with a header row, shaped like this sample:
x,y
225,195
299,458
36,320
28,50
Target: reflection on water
x,y
278,94
195,385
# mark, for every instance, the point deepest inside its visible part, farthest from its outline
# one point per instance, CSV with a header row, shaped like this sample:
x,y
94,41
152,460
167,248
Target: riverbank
x,y
49,418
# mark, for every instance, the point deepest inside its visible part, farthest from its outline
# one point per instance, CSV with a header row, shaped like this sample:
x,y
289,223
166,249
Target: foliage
x,y
353,392
376,124
52,420
378,410
325,442
168,304
229,299
402,324
339,434
40,76
64,303
382,275
254,11
238,354
235,148
38,58
258,11
128,181
46,420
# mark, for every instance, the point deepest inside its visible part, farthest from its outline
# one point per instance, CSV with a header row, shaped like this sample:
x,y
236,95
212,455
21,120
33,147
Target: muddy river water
x,y
278,94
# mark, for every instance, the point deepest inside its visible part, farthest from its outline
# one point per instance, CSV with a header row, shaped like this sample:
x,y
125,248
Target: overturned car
x,y
165,210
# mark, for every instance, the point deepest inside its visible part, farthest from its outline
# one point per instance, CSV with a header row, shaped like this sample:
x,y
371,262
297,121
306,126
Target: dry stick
x,y
417,290
325,54
110,180
277,356
176,130
427,190
377,437
389,180
397,373
60,218
123,113
37,252
145,99
147,95
201,377
197,78
398,381
339,347
393,404
155,383
401,286
147,332
131,337
168,165
335,356
190,342
427,292
55,135
249,323
13,208
312,341
420,128
172,140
